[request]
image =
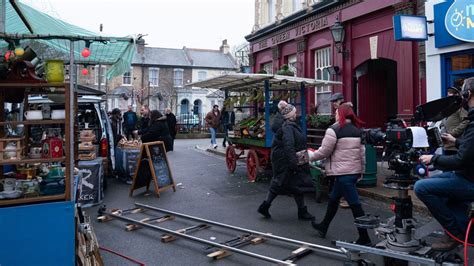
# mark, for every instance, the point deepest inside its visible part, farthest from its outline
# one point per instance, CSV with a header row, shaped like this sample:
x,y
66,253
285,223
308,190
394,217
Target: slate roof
x,y
162,56
186,57
210,59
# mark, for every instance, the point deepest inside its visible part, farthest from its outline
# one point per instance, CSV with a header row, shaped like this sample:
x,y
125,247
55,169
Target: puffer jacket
x,y
344,149
288,176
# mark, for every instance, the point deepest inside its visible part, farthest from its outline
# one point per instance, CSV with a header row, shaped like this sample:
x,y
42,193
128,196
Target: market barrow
x,y
252,137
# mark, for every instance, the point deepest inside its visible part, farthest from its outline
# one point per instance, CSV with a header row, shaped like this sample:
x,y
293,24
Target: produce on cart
x,y
257,96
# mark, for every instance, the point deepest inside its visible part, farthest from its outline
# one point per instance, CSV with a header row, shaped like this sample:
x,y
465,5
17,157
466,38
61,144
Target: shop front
x,y
450,52
351,42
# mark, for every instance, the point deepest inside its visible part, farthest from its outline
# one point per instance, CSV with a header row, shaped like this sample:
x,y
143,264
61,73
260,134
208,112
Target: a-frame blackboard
x,y
153,166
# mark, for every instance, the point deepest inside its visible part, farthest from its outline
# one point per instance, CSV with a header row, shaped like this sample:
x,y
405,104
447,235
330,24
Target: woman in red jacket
x,y
345,153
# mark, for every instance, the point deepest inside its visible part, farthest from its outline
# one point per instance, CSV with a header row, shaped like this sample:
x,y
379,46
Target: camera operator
x,y
457,184
454,124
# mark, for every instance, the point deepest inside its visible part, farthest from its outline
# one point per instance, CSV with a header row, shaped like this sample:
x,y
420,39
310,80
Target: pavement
x,y
379,192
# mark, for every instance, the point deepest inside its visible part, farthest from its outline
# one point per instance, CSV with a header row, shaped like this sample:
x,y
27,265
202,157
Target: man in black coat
x,y
456,185
290,174
171,120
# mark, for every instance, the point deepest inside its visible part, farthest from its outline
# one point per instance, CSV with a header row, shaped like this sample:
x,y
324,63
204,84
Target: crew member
x,y
457,183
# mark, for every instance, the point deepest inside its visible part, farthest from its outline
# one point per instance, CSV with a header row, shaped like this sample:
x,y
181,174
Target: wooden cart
x,y
256,151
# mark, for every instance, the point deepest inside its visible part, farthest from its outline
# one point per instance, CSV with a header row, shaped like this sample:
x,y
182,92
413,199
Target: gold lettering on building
x,y
280,38
311,26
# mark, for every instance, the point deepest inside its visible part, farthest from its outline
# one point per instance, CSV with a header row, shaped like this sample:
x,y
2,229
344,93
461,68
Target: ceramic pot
x,y
58,114
55,71
34,115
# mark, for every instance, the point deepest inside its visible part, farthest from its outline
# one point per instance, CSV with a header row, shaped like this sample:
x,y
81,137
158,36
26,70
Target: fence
x,y
190,123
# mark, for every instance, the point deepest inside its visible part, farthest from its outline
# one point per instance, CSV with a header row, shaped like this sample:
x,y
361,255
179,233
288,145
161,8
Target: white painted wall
x,y
433,55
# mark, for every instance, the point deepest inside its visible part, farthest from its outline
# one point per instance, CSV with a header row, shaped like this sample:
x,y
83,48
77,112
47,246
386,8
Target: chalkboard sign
x,y
153,166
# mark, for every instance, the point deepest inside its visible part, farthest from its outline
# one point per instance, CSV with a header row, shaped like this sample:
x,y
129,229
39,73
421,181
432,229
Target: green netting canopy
x,y
50,39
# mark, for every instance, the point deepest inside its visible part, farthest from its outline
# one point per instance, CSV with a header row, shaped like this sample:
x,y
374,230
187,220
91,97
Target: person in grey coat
x,y
290,173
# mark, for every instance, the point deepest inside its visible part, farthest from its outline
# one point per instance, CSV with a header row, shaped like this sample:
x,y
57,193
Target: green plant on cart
x,y
319,121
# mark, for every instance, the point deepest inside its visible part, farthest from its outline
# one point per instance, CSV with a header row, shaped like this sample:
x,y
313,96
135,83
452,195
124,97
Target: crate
x,y
11,154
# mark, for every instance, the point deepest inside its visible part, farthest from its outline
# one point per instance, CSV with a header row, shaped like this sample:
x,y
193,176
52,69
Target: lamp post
x,y
338,35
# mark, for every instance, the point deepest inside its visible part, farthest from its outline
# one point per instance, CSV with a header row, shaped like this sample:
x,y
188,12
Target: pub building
x,y
450,49
348,41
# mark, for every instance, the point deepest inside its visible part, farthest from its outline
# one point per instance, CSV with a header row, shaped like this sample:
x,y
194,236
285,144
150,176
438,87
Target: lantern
x,y
85,71
85,52
19,51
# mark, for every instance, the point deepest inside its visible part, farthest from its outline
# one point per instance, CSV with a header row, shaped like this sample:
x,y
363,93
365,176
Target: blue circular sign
x,y
459,20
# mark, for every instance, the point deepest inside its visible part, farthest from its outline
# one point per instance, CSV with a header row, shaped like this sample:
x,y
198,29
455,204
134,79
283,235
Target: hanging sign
x,y
459,20
410,28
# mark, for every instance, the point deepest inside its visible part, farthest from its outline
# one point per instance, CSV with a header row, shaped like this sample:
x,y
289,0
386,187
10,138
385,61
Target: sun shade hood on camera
x,y
438,109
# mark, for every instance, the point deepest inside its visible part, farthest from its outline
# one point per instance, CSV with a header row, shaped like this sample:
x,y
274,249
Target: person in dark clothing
x,y
145,119
130,122
227,122
158,130
290,174
171,120
117,130
456,185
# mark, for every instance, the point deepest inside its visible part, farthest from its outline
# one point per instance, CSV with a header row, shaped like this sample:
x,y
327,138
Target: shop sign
x,y
459,20
410,28
442,37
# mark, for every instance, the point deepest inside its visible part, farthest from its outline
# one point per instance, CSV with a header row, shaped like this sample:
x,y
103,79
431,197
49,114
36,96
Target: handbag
x,y
302,157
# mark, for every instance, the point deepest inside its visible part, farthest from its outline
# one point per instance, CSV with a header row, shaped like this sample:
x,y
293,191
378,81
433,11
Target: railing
x,y
190,123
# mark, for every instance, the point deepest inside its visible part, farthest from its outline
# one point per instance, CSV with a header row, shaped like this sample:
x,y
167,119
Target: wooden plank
x,y
32,161
6,202
35,122
257,240
32,85
219,254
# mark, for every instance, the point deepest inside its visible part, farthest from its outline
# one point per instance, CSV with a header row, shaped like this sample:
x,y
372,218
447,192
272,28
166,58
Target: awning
x,y
242,82
50,38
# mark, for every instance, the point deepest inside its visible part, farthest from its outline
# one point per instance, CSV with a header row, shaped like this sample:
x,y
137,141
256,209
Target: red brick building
x,y
379,75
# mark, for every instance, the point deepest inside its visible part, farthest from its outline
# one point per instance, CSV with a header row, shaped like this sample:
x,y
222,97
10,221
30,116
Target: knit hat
x,y
286,109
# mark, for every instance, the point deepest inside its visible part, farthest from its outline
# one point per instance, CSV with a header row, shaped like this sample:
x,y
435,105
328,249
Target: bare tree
x,y
241,54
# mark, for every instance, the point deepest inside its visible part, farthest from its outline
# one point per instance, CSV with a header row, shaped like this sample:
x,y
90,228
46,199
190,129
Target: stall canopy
x,y
50,38
242,82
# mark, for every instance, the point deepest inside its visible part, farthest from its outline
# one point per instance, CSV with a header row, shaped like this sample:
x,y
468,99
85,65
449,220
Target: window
x,y
153,76
322,62
268,67
178,77
271,11
103,69
202,75
292,64
296,4
127,77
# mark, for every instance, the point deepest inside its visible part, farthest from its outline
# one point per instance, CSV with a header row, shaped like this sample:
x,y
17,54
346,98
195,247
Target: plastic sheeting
x,y
115,51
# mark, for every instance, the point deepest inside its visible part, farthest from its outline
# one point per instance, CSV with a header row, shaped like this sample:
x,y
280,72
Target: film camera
x,y
403,145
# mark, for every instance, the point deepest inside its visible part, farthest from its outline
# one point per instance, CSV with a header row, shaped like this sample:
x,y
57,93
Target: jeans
x,y
213,136
345,185
434,192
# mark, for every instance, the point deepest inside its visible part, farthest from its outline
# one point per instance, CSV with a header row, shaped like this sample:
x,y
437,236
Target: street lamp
x,y
338,35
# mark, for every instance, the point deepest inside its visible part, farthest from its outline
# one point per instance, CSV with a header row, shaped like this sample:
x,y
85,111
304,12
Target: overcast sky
x,y
168,23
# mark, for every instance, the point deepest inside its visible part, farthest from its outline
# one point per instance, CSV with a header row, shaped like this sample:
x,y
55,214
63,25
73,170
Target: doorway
x,y
184,106
376,96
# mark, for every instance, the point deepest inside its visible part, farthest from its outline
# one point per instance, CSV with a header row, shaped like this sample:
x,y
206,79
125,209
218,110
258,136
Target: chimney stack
x,y
141,46
224,47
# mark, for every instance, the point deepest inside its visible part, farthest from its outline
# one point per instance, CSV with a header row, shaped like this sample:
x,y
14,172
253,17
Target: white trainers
x,y
215,146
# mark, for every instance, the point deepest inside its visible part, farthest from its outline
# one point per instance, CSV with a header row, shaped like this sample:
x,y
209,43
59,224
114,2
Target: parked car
x,y
188,123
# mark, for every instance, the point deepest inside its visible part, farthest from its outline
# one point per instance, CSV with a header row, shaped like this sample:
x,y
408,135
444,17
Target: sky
x,y
168,23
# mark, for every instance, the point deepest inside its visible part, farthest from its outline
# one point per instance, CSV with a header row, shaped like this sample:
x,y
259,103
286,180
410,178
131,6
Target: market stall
x,y
38,144
257,95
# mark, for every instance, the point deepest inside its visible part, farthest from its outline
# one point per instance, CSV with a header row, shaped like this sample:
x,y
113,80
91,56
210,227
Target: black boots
x,y
322,227
263,209
364,238
303,214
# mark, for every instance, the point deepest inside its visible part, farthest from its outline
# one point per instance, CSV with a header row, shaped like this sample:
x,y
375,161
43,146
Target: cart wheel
x,y
230,158
252,166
